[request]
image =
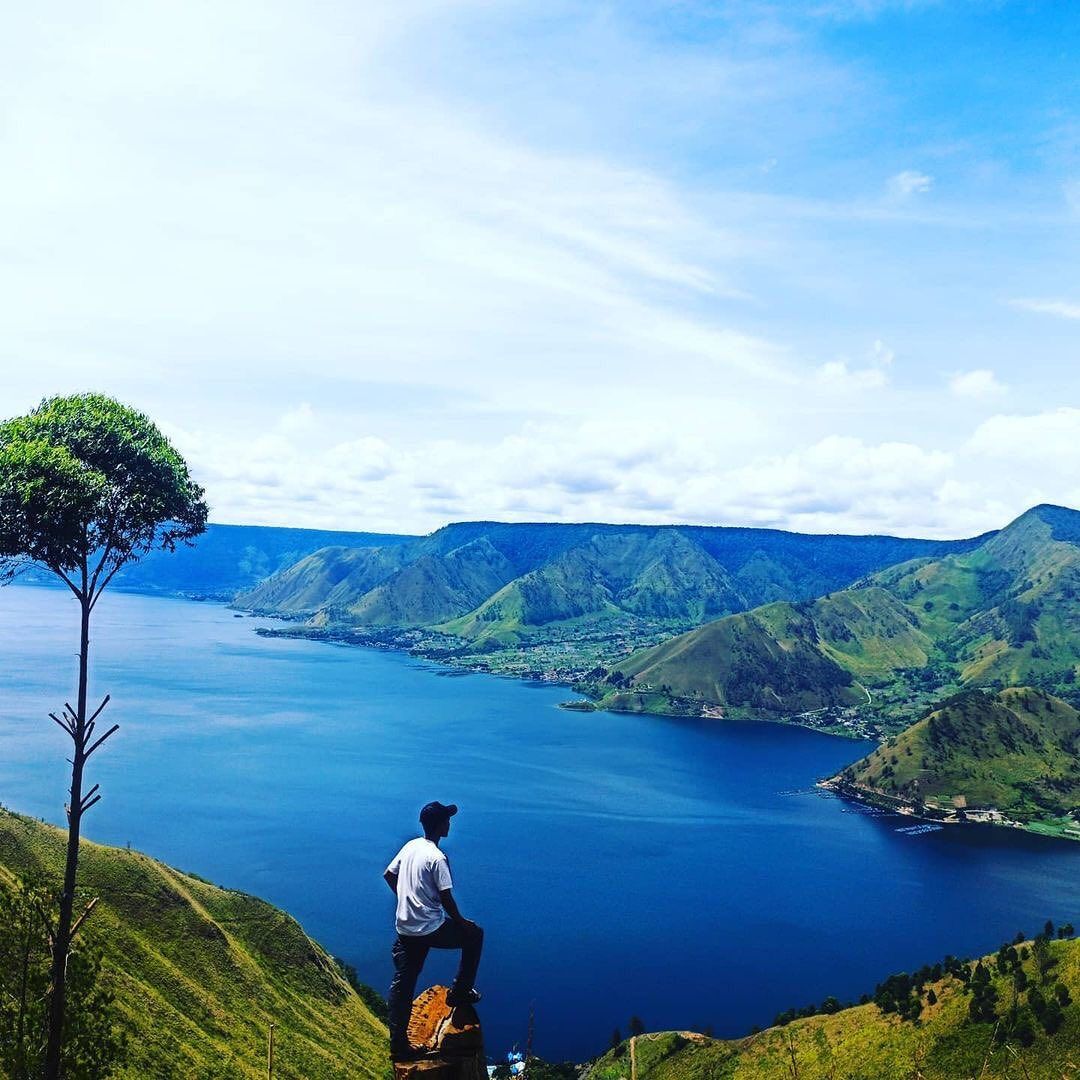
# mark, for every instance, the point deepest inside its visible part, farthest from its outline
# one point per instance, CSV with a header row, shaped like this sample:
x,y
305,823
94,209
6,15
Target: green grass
x,y
863,1043
201,972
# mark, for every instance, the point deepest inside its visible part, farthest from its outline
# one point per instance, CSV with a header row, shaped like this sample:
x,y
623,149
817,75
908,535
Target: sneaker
x,y
462,997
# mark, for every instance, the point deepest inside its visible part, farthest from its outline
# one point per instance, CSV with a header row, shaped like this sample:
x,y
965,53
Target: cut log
x,y
452,1037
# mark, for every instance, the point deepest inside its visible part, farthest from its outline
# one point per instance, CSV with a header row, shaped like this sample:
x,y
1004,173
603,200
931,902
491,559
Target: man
x,y
427,918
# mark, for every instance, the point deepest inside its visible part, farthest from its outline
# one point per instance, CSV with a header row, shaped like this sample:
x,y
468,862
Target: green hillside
x,y
661,575
1001,614
786,657
435,588
1016,751
328,579
1006,611
967,1029
491,584
201,972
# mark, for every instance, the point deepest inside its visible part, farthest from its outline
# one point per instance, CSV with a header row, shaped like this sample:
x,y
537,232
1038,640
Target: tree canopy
x,y
88,484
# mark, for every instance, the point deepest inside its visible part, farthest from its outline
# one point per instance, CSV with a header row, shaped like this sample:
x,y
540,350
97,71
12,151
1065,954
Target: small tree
x,y
636,1026
87,485
92,1048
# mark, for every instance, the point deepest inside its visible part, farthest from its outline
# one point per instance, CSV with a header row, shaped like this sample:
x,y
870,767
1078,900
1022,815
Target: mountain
x,y
508,583
435,588
228,558
1001,613
1005,612
1016,751
965,1029
199,973
328,579
786,657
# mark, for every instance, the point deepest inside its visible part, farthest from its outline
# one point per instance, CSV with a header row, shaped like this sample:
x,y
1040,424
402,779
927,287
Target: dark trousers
x,y
409,954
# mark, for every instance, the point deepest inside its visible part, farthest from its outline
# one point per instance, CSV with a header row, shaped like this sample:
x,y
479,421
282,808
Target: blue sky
x,y
809,265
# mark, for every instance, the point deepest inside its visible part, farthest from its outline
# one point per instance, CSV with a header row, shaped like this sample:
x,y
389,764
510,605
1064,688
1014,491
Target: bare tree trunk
x,y
62,941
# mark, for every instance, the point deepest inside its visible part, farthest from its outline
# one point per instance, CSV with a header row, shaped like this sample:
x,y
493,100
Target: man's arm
x,y
451,908
391,879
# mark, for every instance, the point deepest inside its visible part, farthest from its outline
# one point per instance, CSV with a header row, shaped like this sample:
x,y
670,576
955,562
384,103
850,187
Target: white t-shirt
x,y
422,871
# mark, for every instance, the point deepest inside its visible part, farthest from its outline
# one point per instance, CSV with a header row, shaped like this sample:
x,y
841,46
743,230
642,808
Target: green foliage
x,y
85,476
93,1046
538,1069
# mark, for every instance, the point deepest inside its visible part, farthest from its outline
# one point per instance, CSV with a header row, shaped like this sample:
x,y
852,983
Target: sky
x,y
389,264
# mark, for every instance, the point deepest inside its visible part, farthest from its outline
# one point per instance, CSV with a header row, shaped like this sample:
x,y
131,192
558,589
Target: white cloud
x,y
1063,309
980,383
840,375
908,183
1050,438
301,418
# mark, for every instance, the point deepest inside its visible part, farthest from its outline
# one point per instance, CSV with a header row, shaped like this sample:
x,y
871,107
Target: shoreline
x,y
903,808
407,640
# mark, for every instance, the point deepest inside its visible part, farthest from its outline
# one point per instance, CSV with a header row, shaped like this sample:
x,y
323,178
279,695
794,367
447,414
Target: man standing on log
x,y
427,918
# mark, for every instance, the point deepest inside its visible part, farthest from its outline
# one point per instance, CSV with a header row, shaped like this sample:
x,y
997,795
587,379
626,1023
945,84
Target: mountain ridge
x,y
1002,612
576,574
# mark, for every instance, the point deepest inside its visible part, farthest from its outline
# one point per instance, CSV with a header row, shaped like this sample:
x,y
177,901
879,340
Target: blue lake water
x,y
619,864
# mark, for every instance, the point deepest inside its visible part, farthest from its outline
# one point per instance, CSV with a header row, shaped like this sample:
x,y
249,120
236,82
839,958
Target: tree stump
x,y
450,1034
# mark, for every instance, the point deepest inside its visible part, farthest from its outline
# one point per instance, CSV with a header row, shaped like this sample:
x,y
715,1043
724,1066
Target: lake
x,y
620,865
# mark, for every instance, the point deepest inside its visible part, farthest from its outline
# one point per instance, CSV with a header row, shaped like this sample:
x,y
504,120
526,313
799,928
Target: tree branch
x,y
114,728
63,723
82,918
100,566
66,580
101,588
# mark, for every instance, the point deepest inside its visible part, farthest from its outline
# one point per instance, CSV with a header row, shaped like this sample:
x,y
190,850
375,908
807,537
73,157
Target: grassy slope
x,y
201,972
788,656
1003,613
660,575
1017,750
331,577
862,1043
433,588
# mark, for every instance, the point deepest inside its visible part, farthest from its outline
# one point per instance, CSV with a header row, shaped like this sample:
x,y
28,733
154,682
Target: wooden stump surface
x,y
451,1034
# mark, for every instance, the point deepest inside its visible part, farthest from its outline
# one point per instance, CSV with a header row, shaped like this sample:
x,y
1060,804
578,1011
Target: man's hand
x,y
391,880
450,905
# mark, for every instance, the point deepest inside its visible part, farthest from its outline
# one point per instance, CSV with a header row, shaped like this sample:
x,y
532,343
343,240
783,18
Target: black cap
x,y
435,811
